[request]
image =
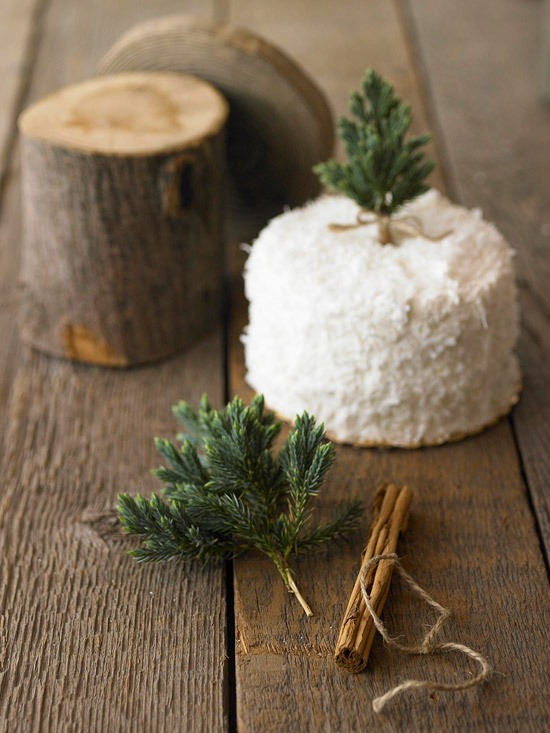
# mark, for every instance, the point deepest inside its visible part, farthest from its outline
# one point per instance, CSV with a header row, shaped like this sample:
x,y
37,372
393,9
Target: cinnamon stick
x,y
391,510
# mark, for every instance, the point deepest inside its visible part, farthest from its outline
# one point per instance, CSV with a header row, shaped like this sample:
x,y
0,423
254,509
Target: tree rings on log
x,y
122,187
280,124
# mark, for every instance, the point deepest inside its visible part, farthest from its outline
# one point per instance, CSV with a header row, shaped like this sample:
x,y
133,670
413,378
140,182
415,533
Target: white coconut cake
x,y
403,344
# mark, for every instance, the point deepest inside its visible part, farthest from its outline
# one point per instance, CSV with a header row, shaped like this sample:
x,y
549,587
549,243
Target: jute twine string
x,y
408,224
427,646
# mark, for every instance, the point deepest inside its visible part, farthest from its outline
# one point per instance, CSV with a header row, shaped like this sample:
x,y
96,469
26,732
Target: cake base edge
x,y
453,438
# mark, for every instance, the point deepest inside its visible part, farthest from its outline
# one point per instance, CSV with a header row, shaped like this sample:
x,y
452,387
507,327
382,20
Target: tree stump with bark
x,y
122,200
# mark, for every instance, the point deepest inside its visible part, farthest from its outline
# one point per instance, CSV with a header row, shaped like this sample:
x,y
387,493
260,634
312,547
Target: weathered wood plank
x,y
10,237
90,640
18,36
470,541
62,44
496,130
75,38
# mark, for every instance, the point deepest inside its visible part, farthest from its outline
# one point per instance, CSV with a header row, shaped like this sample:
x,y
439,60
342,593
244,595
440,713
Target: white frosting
x,y
401,345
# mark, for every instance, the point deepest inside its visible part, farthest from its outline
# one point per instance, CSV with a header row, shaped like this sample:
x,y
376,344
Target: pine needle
x,y
226,490
383,170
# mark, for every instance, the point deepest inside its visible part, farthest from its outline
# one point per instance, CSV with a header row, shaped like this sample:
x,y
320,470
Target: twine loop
x,y
407,224
428,645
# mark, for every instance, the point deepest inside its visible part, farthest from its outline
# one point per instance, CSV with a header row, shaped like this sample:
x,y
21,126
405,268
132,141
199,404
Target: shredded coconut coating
x,y
400,345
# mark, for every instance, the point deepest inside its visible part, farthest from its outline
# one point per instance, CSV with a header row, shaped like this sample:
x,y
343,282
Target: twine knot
x,y
389,227
428,645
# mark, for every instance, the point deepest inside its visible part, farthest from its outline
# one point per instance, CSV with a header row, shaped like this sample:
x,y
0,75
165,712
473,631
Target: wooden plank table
x,y
89,640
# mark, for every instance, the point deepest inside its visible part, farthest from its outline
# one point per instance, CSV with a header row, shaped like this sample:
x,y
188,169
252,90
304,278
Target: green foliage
x,y
227,491
383,170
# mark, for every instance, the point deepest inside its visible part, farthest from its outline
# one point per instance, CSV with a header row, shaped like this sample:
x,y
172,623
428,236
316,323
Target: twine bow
x,y
428,645
403,225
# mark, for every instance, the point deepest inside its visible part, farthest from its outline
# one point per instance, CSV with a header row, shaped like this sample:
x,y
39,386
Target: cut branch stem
x,y
294,589
384,230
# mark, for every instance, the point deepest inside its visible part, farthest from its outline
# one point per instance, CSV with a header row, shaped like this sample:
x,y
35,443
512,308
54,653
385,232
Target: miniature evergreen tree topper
x,y
383,169
227,492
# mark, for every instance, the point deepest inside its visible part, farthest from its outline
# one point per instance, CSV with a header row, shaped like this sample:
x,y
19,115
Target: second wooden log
x,y
280,123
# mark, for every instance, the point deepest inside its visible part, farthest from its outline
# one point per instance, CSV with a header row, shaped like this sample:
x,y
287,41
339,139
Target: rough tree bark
x,y
122,180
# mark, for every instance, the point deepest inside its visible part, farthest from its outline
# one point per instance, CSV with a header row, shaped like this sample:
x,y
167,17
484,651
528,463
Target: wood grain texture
x,y
470,540
10,237
18,35
123,255
44,45
496,131
91,641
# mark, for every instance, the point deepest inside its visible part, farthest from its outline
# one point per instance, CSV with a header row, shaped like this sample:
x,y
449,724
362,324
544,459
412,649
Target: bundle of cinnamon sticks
x,y
391,508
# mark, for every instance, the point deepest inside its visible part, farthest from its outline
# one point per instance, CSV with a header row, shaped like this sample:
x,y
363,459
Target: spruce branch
x,y
383,169
226,491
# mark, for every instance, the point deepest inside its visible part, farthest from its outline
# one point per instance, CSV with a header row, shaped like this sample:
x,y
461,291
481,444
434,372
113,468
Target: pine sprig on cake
x,y
383,170
226,491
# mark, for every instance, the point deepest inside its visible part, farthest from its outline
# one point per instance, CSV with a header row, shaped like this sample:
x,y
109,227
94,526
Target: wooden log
x,y
280,123
122,179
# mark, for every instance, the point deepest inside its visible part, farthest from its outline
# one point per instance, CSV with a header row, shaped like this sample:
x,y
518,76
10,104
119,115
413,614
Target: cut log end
x,y
128,114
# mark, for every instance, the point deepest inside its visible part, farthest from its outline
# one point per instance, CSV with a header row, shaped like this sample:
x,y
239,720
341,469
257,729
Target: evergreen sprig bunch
x,y
383,169
227,491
